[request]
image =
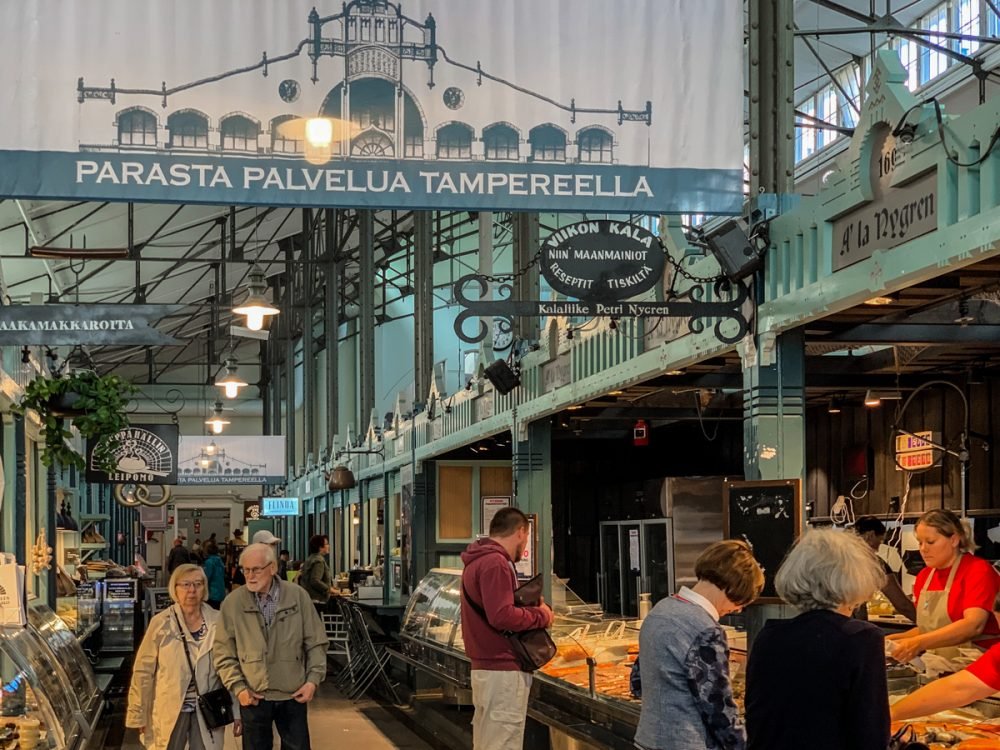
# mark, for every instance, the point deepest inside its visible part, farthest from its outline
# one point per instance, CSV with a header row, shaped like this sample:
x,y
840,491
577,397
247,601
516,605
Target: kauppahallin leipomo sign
x,y
96,325
426,104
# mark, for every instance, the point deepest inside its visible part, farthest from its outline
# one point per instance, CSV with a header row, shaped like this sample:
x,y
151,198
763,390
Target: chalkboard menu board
x,y
767,515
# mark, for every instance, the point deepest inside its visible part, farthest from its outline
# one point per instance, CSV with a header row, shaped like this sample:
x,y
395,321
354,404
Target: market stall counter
x,y
49,697
582,695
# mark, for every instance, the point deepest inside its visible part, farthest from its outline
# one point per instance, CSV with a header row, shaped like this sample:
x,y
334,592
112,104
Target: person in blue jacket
x,y
215,572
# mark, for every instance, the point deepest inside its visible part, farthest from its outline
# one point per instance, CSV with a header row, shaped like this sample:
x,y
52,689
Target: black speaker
x,y
502,377
734,251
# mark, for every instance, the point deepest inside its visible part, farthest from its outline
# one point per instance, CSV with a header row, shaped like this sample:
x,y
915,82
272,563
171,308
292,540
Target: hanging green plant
x,y
94,403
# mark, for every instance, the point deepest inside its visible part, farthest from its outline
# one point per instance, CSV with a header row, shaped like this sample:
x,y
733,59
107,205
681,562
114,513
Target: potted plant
x,y
94,403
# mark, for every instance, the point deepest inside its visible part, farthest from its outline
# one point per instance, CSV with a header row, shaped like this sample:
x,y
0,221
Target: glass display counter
x,y
595,653
48,687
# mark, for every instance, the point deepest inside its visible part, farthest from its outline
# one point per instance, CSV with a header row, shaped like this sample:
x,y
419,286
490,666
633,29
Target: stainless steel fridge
x,y
656,556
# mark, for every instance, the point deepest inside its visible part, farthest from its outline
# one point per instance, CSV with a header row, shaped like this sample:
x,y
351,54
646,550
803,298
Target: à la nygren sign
x,y
602,260
98,325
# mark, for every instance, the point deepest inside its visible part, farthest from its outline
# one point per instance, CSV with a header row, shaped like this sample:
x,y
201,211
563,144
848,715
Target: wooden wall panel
x,y
828,436
455,502
496,480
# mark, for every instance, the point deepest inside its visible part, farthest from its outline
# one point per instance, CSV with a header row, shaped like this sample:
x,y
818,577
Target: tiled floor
x,y
335,721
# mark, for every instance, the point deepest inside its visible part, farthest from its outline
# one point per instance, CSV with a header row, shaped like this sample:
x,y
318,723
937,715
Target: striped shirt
x,y
267,602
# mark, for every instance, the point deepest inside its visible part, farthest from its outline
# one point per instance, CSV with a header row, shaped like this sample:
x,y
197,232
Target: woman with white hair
x,y
827,574
163,696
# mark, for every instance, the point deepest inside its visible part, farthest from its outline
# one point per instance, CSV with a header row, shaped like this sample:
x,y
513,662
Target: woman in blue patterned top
x,y
687,698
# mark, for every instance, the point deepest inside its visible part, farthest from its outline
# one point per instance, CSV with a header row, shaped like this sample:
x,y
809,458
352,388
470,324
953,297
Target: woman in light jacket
x,y
162,699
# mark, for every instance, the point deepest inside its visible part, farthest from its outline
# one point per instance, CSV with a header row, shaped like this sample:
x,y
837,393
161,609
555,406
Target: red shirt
x,y
975,586
987,668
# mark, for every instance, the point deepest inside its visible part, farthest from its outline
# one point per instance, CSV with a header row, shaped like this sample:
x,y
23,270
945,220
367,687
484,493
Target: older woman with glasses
x,y
163,696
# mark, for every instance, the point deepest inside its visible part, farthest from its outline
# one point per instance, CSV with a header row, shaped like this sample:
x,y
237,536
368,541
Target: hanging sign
x,y
95,325
251,512
914,451
279,506
730,322
896,213
602,260
221,459
143,454
425,103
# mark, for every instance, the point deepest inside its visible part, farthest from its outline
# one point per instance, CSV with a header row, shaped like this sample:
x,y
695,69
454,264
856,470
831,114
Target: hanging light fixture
x,y
216,421
256,307
872,399
231,382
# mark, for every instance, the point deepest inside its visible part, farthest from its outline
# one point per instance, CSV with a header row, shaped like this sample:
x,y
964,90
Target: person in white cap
x,y
266,537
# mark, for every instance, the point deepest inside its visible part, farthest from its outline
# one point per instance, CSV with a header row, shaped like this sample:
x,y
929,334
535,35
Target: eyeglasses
x,y
191,585
254,571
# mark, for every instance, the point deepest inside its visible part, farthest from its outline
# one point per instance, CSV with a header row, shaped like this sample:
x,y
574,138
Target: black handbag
x,y
216,706
533,649
906,739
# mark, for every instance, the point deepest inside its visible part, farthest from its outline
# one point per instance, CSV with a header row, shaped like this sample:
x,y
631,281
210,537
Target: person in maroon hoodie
x,y
499,687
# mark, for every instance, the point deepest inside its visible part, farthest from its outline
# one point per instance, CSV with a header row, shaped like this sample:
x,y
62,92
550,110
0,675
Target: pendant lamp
x,y
256,307
216,421
231,382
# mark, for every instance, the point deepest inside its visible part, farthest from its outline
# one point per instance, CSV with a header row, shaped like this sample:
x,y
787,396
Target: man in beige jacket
x,y
270,651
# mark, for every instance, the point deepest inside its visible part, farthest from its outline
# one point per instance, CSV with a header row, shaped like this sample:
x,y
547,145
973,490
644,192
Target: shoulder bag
x,y
216,706
906,739
533,649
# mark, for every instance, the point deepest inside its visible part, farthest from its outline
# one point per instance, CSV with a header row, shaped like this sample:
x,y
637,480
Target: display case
x,y
586,684
120,610
49,689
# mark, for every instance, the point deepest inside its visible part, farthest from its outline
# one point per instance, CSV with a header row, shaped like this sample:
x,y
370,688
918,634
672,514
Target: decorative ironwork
x,y
692,304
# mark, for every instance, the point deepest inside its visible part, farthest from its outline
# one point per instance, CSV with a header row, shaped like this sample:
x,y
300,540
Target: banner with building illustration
x,y
225,459
582,105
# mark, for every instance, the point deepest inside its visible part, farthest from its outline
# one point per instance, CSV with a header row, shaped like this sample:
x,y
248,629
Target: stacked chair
x,y
367,659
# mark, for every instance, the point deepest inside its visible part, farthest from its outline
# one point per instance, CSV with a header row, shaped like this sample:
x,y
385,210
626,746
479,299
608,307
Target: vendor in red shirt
x,y
954,594
980,680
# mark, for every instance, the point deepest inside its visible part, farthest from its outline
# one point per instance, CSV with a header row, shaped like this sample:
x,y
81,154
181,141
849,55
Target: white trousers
x,y
501,703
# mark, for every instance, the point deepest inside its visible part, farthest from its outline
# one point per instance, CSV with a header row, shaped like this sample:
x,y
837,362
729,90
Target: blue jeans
x,y
288,716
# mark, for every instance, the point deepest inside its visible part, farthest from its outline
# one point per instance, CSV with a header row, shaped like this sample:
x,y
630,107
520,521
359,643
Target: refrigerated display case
x,y
119,612
47,683
582,691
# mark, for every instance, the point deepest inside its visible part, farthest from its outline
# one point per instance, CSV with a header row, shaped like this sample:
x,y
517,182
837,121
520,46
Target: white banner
x,y
630,106
223,459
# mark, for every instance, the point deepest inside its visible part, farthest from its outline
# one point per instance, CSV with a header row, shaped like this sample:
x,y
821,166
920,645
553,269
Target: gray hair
x,y
265,549
827,569
180,572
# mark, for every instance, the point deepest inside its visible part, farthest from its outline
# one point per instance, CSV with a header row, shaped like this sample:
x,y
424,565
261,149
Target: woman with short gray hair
x,y
827,574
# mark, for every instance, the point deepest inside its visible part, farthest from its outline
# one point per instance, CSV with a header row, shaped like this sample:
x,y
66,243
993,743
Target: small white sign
x,y
633,549
492,506
12,606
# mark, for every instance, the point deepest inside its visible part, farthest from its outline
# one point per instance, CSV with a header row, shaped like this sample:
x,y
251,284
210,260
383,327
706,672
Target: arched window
x,y
548,143
454,141
500,142
136,127
239,133
596,145
282,137
188,130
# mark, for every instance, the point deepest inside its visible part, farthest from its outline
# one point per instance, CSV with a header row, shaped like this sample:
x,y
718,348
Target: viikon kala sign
x,y
602,260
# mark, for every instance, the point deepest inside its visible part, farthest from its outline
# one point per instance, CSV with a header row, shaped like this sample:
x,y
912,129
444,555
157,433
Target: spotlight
x,y
872,399
835,406
879,301
503,378
964,318
905,132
